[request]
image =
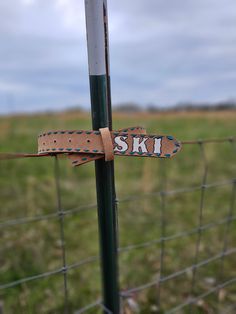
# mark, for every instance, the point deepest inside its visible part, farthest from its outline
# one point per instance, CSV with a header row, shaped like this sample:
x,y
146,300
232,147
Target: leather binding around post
x,y
83,146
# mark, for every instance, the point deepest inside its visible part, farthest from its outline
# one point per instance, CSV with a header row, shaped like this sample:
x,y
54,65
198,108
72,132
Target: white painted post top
x,y
95,37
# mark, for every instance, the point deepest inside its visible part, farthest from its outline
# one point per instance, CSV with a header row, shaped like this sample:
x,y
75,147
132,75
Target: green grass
x,y
27,189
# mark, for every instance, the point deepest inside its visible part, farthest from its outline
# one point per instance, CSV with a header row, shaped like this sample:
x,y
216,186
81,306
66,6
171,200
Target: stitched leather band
x,y
89,145
83,146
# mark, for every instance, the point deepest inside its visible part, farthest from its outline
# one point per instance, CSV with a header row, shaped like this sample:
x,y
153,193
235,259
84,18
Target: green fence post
x,y
96,24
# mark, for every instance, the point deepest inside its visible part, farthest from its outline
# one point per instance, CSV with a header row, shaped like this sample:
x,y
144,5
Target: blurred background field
x,y
27,189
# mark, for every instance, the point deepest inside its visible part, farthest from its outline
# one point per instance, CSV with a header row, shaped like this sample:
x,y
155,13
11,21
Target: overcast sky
x,y
162,52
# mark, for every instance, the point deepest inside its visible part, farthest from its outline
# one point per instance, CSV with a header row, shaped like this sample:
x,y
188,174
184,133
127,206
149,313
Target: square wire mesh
x,y
195,235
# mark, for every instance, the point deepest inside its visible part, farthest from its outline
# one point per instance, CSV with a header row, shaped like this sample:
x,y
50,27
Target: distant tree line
x,y
133,107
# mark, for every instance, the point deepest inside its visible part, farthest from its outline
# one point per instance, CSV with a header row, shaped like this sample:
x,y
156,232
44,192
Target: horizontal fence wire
x,y
61,214
93,259
26,220
203,295
181,272
74,211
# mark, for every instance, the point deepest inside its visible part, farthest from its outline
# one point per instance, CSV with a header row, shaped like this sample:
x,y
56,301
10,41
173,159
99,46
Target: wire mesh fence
x,y
211,284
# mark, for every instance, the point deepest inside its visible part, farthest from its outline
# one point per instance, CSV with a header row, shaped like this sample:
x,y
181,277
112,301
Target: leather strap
x,y
83,146
107,143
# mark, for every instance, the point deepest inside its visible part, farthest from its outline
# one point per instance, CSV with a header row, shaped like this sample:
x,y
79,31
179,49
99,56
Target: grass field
x,y
27,189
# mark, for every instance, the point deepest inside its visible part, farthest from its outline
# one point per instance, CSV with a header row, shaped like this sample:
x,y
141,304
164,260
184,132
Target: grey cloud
x,y
161,51
189,41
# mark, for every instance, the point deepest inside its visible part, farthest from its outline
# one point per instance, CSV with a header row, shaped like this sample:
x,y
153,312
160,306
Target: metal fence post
x,y
97,41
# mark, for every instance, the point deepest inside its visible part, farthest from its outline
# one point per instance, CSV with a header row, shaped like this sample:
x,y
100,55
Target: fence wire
x,y
60,215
